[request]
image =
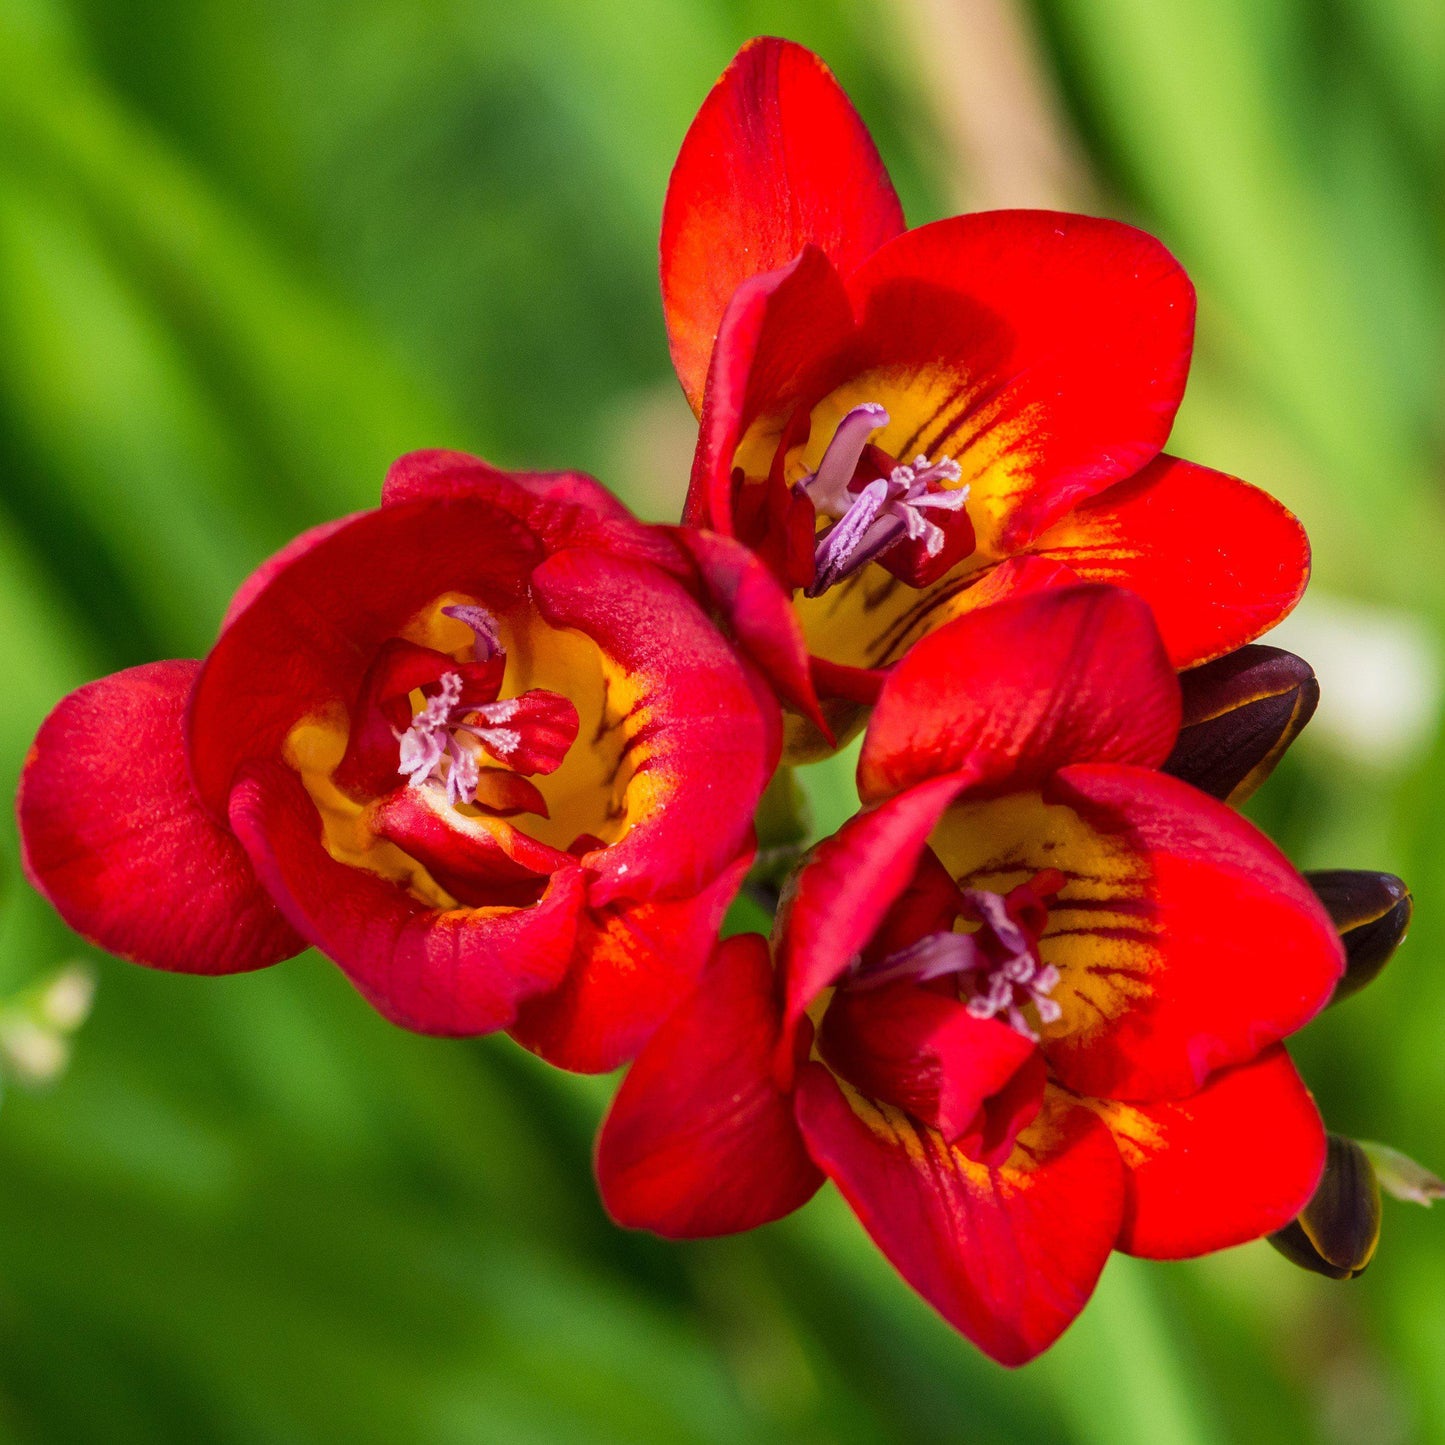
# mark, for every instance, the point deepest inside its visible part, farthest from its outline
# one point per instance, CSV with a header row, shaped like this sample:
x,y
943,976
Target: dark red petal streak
x,y
112,833
700,1140
1218,561
1205,950
1231,1163
1008,1255
1013,691
775,160
463,971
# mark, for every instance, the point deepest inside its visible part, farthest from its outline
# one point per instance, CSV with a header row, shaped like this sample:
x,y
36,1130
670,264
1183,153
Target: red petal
x,y
1046,353
921,1051
484,862
776,159
1237,1160
112,833
463,971
546,727
1218,561
295,549
848,884
634,964
757,613
505,793
698,748
700,1140
1014,691
1187,941
777,341
306,639
1008,1255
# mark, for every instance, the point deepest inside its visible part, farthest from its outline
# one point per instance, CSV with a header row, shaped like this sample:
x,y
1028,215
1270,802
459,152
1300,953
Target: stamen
x,y
887,509
430,741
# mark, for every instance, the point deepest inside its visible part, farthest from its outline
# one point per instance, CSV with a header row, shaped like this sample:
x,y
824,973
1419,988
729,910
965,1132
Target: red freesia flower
x,y
1027,1008
906,424
482,747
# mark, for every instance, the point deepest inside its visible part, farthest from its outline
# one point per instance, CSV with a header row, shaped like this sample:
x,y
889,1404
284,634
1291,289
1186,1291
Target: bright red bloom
x,y
1027,1008
906,424
481,746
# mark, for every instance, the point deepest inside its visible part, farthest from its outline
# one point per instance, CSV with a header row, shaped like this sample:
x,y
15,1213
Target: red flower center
x,y
996,967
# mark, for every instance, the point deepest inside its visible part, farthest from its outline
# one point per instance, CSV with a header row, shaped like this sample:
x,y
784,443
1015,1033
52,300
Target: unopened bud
x,y
1372,912
1241,712
1336,1233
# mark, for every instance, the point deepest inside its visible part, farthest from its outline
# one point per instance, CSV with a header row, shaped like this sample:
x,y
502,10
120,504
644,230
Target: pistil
x,y
998,967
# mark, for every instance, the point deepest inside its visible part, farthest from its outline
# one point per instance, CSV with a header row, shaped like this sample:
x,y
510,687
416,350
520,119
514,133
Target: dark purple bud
x,y
1372,912
1336,1233
1240,713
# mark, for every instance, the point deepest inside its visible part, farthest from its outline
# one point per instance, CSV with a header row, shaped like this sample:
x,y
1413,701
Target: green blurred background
x,y
251,252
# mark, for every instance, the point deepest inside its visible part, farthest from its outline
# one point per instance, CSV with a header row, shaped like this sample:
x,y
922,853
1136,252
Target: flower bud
x,y
1241,712
1336,1233
1372,912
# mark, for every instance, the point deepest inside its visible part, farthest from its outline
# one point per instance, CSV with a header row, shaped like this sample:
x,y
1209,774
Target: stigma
x,y
886,510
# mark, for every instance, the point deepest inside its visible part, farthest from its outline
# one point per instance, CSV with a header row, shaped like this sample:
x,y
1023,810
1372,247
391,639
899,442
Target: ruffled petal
x,y
483,862
1014,691
1046,353
781,336
697,749
1236,1161
112,833
456,972
700,1140
306,638
634,963
1008,1255
1218,561
776,159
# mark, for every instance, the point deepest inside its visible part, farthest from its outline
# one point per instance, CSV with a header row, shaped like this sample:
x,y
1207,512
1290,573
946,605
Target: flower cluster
x,y
496,748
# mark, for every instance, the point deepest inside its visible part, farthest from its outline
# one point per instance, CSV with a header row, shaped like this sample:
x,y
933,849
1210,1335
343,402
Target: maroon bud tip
x,y
1240,714
1372,912
1337,1231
